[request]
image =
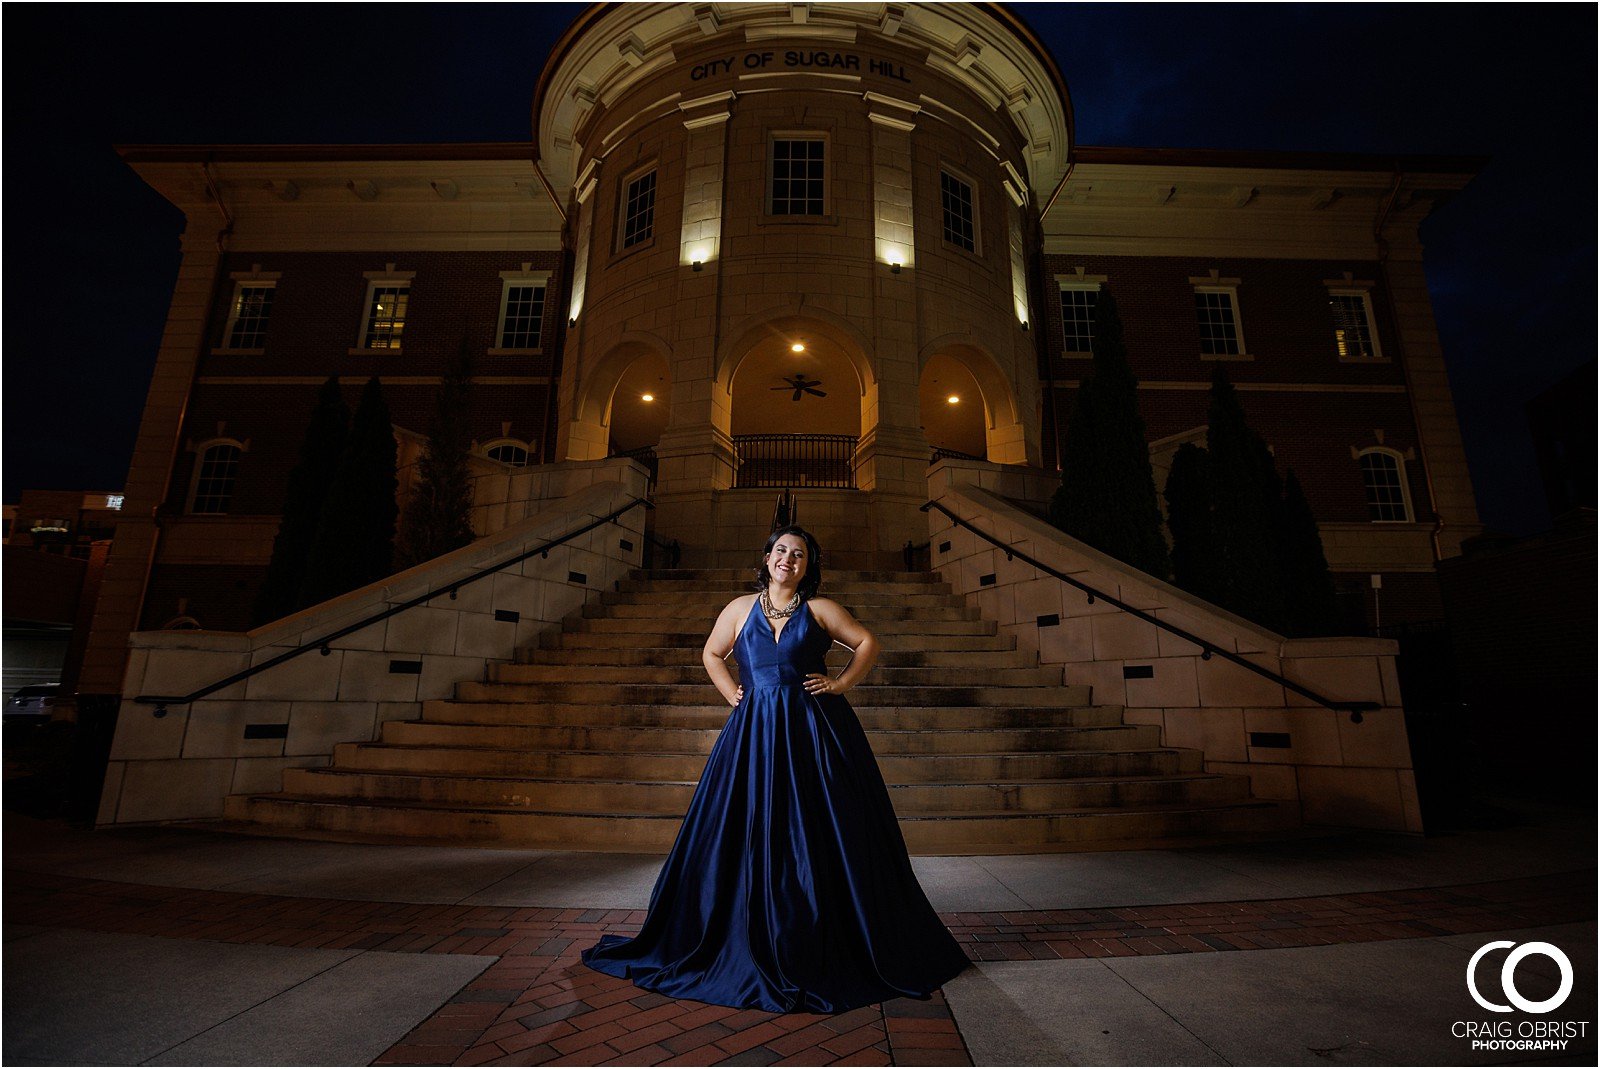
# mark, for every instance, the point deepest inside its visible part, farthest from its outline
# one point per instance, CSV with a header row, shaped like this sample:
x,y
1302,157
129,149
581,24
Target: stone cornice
x,y
984,48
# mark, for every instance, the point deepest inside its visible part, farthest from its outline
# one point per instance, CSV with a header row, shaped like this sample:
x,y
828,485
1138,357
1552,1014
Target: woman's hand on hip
x,y
738,695
818,683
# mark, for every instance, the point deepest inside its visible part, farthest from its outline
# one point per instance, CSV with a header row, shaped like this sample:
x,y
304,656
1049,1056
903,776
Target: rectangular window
x,y
213,485
1385,482
960,212
1353,333
521,316
798,176
1077,319
1217,312
639,210
386,315
247,318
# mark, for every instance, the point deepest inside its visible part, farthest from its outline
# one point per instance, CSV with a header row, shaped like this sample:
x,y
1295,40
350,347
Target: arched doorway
x,y
952,409
797,391
984,421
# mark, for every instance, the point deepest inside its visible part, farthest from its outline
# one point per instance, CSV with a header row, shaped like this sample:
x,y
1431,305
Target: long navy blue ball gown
x,y
788,888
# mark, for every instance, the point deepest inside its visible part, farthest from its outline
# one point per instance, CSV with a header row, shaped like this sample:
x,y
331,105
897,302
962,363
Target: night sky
x,y
91,253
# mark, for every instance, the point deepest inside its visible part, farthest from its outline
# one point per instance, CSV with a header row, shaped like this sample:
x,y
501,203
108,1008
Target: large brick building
x,y
824,241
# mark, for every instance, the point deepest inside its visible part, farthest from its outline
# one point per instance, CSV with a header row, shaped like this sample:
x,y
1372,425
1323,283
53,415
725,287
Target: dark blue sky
x,y
91,254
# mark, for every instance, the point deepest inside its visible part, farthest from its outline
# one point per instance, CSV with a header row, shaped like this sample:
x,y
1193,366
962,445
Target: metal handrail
x,y
161,701
1354,708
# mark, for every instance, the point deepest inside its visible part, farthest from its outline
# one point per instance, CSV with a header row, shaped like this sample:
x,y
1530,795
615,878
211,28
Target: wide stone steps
x,y
699,740
891,622
882,718
596,736
620,830
838,657
685,675
861,606
925,642
696,694
646,765
672,798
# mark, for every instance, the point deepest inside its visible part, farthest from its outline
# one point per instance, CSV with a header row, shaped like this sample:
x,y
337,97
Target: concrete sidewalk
x,y
177,946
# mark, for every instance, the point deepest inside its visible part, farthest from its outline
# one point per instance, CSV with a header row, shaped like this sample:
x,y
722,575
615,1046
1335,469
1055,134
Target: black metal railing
x,y
161,701
940,453
794,460
645,455
1207,649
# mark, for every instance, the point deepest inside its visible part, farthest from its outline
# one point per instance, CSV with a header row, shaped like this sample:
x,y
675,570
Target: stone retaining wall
x,y
1292,749
182,765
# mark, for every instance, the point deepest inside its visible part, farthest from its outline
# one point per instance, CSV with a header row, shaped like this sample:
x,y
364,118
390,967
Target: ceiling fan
x,y
800,385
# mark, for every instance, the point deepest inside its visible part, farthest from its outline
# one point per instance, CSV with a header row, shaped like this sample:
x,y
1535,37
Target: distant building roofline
x,y
1084,154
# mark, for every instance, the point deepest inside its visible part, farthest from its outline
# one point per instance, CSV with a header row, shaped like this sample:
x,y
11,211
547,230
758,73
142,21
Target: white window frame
x,y
826,139
377,280
510,280
1230,286
1080,283
496,443
977,214
255,278
1400,471
1348,287
636,175
200,451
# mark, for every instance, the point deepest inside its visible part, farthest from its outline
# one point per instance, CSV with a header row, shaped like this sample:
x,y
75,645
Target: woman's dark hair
x,y
813,577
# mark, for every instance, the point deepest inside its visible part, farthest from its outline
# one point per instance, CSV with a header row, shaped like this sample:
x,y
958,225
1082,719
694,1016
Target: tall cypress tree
x,y
302,503
354,544
1310,605
438,517
1246,499
1108,494
1188,494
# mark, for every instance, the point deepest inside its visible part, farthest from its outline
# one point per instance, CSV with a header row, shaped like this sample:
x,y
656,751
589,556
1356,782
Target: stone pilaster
x,y
1438,431
133,551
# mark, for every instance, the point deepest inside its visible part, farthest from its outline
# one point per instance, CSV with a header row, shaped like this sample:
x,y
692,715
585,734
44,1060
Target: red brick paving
x,y
539,1005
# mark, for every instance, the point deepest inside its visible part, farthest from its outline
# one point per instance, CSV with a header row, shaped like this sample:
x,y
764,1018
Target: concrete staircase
x,y
595,740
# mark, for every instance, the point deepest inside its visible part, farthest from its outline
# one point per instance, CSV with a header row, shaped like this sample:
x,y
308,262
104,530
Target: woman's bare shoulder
x,y
742,602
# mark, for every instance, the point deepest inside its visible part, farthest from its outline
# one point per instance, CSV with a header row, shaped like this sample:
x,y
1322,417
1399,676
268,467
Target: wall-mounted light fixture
x,y
647,397
953,399
797,347
894,268
699,265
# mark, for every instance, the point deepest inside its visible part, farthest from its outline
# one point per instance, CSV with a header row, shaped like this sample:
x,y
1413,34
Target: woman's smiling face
x,y
787,561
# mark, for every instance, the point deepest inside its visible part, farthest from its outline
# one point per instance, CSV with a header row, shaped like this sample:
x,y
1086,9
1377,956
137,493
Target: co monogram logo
x,y
1508,976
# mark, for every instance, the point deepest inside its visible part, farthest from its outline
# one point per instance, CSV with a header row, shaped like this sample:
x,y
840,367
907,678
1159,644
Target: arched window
x,y
1383,471
211,492
507,451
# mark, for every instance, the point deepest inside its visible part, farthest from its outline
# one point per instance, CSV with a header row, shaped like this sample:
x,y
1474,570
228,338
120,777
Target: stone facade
x,y
929,118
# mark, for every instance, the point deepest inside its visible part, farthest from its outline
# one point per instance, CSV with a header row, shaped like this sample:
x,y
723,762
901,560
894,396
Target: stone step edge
x,y
1139,778
419,746
447,807
653,727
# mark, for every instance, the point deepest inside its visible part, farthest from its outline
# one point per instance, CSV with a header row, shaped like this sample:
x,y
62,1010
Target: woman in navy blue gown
x,y
789,888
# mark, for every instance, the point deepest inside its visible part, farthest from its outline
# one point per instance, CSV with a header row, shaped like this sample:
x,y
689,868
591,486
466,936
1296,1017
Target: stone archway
x,y
956,361
639,364
797,393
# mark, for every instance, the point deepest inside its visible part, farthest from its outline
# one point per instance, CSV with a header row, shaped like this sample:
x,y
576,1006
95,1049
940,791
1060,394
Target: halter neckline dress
x,y
789,887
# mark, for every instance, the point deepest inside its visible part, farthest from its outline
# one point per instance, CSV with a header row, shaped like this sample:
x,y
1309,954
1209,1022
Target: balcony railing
x,y
794,460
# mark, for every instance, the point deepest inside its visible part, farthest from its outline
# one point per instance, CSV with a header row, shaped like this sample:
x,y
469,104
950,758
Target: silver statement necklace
x,y
779,614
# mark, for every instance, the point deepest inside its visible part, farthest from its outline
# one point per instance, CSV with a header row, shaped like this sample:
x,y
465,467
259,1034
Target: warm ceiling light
x,y
953,399
797,347
648,397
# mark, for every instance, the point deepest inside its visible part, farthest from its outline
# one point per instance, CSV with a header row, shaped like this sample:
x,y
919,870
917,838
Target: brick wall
x,y
1283,313
316,320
